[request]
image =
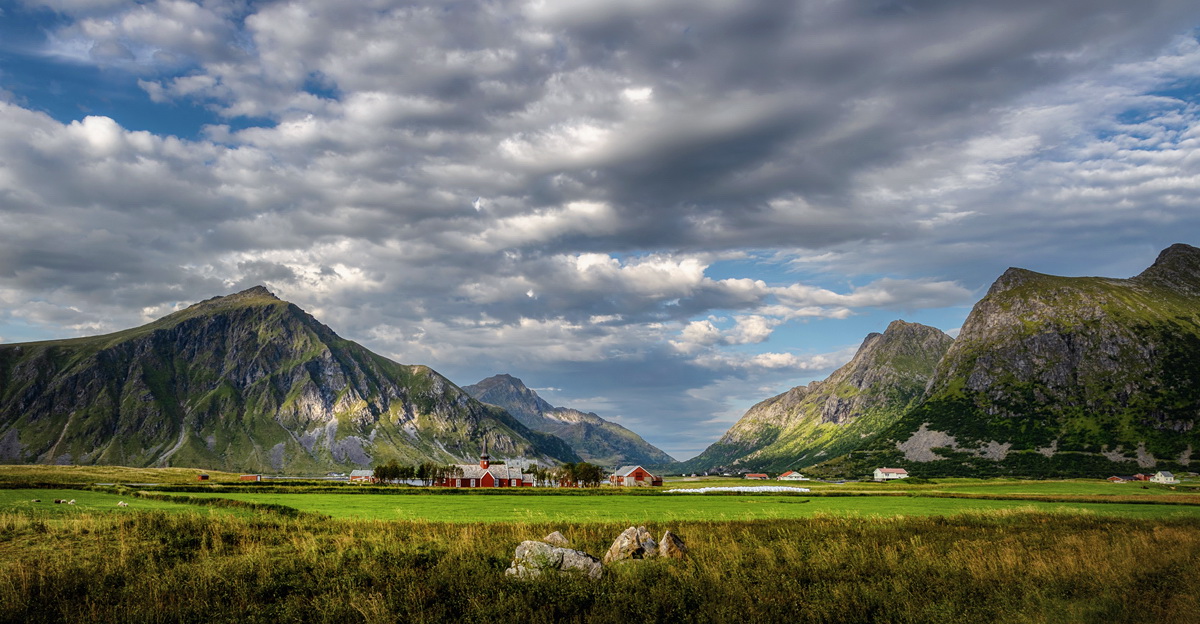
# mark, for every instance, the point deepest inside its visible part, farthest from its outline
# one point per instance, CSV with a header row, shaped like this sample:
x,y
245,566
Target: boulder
x,y
632,543
532,559
671,546
557,539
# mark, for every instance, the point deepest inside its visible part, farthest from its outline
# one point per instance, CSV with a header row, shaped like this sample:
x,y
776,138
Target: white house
x,y
886,474
1162,476
791,476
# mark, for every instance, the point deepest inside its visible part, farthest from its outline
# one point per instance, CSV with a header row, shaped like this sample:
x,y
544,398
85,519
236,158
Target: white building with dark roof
x,y
1164,477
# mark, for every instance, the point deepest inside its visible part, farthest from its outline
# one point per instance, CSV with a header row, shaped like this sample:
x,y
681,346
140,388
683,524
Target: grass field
x,y
682,507
406,555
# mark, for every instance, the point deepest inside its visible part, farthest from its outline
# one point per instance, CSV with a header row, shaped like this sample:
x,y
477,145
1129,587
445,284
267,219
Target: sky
x,y
660,211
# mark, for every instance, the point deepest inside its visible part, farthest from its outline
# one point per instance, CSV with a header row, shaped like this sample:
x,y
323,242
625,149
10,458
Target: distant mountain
x,y
245,382
825,419
593,438
1063,376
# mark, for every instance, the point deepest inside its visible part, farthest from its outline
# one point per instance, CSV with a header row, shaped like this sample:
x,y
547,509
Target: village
x,y
525,474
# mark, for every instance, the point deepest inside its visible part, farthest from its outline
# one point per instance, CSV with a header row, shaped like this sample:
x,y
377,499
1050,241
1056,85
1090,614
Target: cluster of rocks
x,y
553,553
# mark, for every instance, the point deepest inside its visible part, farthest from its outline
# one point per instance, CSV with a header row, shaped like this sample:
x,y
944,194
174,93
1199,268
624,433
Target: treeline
x,y
579,474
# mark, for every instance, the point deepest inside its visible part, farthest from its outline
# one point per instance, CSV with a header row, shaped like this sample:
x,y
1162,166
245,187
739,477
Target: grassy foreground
x,y
998,566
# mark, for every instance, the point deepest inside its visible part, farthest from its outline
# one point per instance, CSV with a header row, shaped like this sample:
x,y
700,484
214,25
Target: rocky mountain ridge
x,y
824,419
1063,376
245,382
595,439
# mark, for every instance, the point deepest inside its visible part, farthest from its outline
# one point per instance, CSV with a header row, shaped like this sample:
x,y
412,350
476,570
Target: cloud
x,y
669,186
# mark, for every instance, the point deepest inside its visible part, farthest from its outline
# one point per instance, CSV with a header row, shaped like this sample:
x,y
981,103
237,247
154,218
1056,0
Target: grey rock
x,y
557,539
671,547
632,543
533,558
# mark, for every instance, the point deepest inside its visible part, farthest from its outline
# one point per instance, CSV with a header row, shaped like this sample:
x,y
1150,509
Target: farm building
x,y
1162,476
887,474
634,476
363,476
202,477
484,474
757,476
250,478
792,475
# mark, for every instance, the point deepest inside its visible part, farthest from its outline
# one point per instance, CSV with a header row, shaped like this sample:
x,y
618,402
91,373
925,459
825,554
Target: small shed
x,y
202,477
250,478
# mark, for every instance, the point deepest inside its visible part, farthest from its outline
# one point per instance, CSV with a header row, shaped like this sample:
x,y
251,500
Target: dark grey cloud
x,y
562,186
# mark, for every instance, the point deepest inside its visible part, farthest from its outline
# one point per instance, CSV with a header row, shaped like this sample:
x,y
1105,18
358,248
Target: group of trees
x,y
427,473
580,474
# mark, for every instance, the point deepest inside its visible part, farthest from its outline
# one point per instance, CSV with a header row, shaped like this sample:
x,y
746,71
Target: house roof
x,y
625,471
474,471
892,470
362,473
788,473
1166,474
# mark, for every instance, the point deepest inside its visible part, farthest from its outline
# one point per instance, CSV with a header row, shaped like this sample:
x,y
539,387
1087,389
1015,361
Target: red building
x,y
634,476
363,476
250,478
484,474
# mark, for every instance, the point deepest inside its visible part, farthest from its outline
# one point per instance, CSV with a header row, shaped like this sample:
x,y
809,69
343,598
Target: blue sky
x,y
661,212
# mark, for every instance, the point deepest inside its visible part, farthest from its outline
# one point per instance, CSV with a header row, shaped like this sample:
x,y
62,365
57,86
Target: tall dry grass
x,y
1012,566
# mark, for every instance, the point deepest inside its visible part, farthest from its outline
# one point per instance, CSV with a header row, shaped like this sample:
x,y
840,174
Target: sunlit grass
x,y
1012,565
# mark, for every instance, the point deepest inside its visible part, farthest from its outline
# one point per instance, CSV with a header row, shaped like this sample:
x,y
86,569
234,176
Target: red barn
x,y
634,476
202,477
250,478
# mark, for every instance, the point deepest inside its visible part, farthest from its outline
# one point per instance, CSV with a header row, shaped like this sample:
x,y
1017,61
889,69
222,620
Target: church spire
x,y
483,459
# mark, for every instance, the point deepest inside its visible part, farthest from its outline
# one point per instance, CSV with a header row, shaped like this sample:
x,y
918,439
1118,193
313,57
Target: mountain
x,y
245,382
827,418
593,438
1063,376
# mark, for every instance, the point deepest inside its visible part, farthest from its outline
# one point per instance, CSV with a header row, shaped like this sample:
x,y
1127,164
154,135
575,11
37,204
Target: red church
x,y
486,475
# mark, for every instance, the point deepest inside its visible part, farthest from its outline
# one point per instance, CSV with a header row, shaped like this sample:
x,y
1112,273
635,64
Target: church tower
x,y
483,459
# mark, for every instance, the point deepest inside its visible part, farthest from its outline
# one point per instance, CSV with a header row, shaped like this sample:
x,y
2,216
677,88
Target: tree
x,y
579,474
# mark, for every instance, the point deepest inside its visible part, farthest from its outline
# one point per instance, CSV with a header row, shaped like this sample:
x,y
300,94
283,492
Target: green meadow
x,y
665,508
959,551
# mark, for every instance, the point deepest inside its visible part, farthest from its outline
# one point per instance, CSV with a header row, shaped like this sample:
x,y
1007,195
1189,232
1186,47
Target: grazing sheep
x,y
122,504
37,500
59,501
71,502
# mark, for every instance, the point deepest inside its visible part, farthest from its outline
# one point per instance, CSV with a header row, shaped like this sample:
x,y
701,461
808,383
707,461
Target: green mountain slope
x,y
824,419
244,382
1063,376
593,438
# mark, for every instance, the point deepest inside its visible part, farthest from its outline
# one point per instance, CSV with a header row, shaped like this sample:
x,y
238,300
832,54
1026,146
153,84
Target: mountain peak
x,y
1177,267
256,296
